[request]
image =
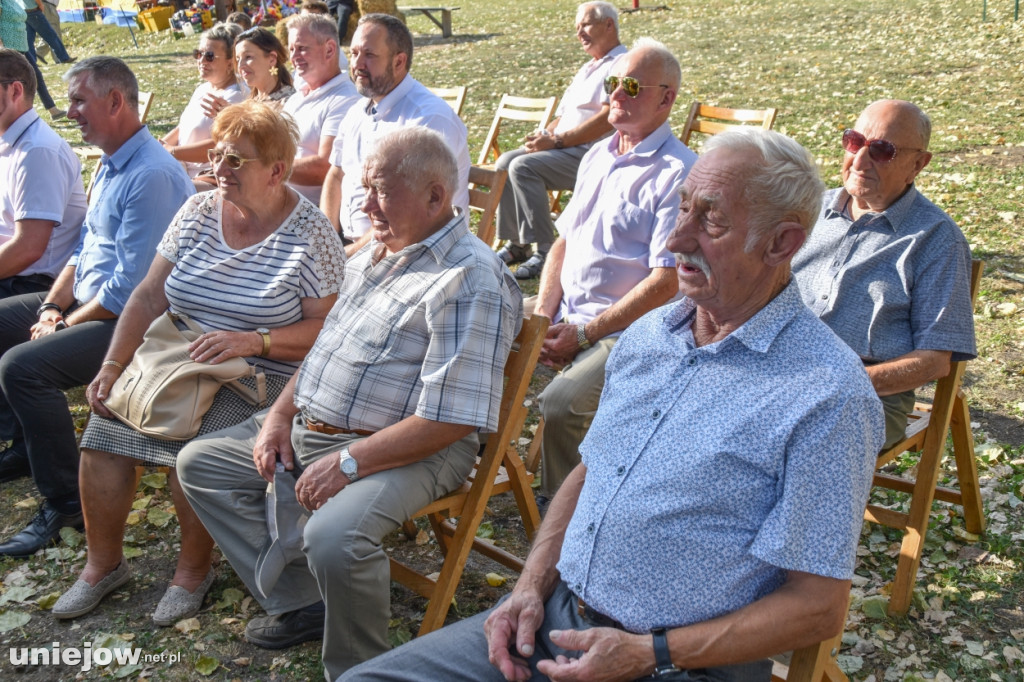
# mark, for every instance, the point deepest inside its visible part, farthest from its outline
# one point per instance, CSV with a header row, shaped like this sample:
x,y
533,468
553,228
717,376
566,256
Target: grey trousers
x,y
345,564
458,653
524,212
568,405
896,408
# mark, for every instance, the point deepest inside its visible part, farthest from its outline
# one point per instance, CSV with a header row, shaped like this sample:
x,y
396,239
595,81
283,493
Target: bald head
x,y
907,116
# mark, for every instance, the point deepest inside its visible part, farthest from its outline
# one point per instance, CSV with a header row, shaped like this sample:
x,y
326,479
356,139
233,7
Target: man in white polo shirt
x,y
549,159
320,104
381,58
42,203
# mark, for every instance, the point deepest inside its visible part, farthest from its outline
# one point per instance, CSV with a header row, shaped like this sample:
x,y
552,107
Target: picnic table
x,y
445,23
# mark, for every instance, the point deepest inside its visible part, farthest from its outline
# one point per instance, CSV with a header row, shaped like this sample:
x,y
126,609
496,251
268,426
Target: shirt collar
x,y
897,213
437,244
18,128
388,102
611,55
759,332
126,151
648,146
326,88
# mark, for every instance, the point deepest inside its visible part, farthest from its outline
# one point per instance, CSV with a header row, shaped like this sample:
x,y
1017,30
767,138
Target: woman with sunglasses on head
x,y
258,267
189,141
262,63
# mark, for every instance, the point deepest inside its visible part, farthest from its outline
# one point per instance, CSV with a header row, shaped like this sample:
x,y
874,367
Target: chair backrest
x,y
714,120
493,181
145,102
454,96
510,107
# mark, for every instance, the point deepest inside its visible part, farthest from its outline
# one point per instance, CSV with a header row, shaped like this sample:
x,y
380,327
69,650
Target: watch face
x,y
349,467
262,330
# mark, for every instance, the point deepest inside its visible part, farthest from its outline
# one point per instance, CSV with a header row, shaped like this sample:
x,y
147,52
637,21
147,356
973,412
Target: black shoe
x,y
287,629
13,464
42,530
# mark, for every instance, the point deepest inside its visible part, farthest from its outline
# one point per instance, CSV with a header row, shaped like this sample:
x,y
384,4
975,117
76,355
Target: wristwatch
x,y
581,337
559,142
348,465
663,664
265,333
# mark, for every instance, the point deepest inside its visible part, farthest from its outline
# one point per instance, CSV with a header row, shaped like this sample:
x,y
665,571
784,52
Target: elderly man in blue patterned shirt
x,y
714,518
886,269
382,417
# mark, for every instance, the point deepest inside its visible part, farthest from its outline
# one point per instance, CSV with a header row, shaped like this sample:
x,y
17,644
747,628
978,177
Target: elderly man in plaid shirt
x,y
382,417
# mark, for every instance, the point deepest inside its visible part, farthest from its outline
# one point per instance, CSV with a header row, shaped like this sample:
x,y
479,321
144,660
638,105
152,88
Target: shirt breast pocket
x,y
627,230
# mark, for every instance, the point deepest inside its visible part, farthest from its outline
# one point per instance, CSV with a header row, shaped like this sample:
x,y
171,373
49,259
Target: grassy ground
x,y
819,63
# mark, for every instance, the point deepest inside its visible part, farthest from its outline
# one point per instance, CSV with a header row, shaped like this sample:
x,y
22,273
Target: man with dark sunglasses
x,y
887,269
549,158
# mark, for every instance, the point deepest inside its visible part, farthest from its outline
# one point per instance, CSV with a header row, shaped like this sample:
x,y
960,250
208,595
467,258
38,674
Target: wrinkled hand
x,y
46,324
514,623
273,445
321,481
539,142
560,345
214,347
609,655
211,105
98,389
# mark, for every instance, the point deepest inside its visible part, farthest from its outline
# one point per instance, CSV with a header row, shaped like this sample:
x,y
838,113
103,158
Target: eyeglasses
x,y
7,82
630,85
880,151
233,161
207,55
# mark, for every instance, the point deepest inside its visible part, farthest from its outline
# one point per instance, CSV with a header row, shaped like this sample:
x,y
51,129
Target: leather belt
x,y
596,617
323,427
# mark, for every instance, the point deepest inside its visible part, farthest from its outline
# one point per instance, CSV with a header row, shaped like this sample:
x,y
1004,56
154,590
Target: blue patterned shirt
x,y
891,282
712,471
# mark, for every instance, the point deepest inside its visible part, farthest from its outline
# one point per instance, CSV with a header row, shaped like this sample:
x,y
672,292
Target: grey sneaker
x,y
531,268
514,253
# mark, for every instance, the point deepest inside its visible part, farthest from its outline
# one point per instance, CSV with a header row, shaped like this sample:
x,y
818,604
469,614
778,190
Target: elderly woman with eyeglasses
x,y
262,64
258,267
189,141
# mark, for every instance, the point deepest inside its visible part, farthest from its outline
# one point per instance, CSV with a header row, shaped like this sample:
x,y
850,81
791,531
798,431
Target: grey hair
x,y
671,72
425,157
225,33
103,74
399,39
322,26
600,10
784,187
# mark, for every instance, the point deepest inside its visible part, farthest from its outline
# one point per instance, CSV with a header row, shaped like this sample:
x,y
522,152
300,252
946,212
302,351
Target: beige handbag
x,y
164,394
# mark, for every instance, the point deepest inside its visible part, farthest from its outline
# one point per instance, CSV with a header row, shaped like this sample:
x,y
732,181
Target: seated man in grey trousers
x,y
382,417
714,519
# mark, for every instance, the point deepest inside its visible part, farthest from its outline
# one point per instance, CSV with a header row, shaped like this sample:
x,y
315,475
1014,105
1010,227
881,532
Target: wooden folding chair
x,y
499,469
714,120
815,663
512,108
454,96
485,188
926,433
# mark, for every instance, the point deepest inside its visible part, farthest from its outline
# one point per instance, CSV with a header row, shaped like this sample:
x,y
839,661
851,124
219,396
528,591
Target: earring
x,y
273,71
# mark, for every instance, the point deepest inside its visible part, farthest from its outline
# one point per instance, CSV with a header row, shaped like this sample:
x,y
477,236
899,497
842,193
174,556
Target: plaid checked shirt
x,y
425,331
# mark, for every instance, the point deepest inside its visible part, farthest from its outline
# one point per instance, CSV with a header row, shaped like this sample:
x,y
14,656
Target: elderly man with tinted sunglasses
x,y
886,268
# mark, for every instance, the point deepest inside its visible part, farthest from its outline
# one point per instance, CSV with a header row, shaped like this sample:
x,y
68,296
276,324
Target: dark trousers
x,y
44,94
27,284
342,9
35,23
34,412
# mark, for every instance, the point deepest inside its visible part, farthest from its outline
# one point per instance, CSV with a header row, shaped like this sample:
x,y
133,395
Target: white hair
x,y
600,10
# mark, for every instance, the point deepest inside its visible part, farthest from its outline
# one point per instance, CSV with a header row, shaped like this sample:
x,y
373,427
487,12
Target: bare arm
x,y
910,371
549,292
408,441
594,128
26,247
312,170
62,293
330,198
806,609
194,153
359,243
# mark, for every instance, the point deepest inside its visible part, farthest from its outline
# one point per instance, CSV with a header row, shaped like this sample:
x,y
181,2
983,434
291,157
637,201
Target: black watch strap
x,y
662,658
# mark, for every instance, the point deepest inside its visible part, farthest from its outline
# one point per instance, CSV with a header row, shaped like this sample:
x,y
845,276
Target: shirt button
x,y
824,297
621,470
578,588
655,414
590,528
691,361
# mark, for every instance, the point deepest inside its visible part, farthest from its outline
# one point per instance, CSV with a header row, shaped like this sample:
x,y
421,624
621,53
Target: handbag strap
x,y
257,398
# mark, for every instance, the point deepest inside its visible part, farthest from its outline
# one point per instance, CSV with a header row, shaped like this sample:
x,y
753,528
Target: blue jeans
x,y
35,23
44,94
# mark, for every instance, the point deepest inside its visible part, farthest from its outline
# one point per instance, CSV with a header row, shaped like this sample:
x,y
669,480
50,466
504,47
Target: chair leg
x,y
966,465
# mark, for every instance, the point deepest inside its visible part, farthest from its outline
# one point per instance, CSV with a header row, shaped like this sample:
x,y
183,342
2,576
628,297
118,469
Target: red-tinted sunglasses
x,y
880,151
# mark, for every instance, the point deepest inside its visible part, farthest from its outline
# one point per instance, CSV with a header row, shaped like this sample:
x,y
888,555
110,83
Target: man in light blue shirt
x,y
56,340
714,519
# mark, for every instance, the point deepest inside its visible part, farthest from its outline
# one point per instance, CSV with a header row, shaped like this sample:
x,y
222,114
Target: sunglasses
x,y
880,151
233,161
630,85
208,56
